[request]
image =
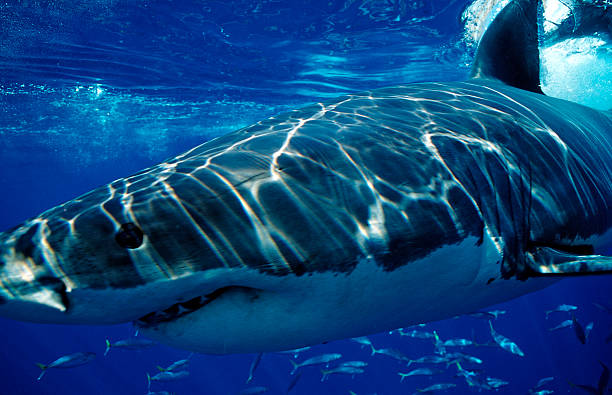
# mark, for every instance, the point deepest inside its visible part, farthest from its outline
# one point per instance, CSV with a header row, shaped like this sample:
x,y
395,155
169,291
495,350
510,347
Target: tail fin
x,y
325,374
43,368
296,366
148,382
373,349
454,362
551,262
588,329
438,344
402,376
604,379
492,330
108,346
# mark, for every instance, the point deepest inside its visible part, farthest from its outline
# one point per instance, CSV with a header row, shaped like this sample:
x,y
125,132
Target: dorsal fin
x,y
508,51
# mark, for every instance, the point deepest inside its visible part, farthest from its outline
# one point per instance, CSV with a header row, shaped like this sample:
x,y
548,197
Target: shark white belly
x,y
294,312
378,210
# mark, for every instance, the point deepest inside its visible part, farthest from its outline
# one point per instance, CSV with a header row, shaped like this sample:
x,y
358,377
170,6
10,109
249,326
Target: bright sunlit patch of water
x,y
555,11
477,17
575,69
578,69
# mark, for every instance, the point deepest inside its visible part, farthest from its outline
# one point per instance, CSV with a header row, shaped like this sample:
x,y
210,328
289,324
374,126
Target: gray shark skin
x,y
371,212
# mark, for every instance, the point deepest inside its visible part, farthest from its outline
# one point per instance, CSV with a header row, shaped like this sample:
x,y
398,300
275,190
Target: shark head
x,y
98,258
139,250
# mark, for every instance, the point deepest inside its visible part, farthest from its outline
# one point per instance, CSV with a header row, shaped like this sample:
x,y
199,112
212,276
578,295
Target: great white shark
x,y
377,210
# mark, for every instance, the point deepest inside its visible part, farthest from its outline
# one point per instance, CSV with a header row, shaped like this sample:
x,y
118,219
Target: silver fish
x,y
505,343
419,372
67,361
168,376
178,365
564,324
390,352
536,389
350,370
457,343
493,314
429,359
254,365
463,357
470,377
318,360
437,387
132,343
588,329
496,313
417,334
364,341
542,381
562,308
295,352
354,364
496,383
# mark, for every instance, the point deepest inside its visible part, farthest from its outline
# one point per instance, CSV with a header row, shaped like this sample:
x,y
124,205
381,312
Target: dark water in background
x,y
92,91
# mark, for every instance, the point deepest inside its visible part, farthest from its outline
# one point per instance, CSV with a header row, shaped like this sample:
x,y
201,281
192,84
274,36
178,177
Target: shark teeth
x,y
178,310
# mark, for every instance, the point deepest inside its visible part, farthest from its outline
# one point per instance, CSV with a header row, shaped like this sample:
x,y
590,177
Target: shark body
x,y
377,210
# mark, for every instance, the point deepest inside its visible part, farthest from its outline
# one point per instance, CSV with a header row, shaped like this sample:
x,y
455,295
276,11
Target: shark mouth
x,y
181,309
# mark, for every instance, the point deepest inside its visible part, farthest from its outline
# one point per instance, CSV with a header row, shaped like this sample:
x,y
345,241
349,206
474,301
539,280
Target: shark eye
x,y
129,236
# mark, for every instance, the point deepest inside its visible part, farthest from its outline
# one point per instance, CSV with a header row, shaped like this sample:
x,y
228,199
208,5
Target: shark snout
x,y
27,287
28,297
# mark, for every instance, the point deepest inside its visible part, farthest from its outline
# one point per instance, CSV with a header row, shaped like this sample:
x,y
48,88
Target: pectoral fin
x,y
546,261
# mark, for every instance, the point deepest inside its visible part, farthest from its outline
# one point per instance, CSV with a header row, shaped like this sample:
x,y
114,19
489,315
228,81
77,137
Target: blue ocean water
x,y
95,90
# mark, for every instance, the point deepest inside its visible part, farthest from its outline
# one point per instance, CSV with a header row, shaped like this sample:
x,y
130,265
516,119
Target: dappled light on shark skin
x,y
379,211
452,196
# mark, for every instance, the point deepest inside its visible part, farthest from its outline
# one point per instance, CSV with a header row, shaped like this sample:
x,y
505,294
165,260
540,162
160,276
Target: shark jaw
x,y
292,312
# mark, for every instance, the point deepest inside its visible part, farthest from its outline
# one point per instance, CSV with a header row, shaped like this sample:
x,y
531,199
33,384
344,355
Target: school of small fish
x,y
443,365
